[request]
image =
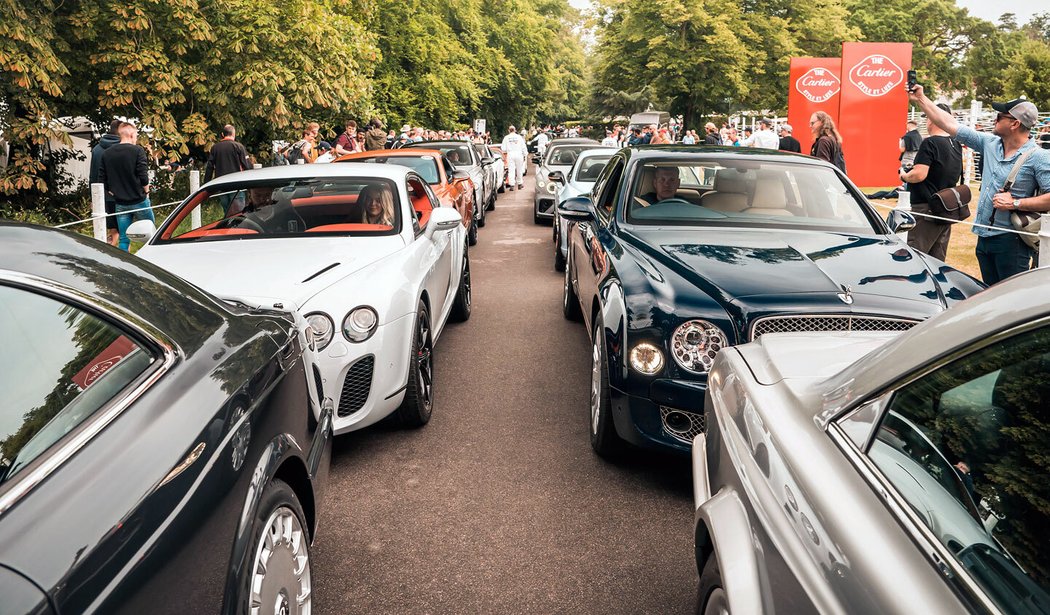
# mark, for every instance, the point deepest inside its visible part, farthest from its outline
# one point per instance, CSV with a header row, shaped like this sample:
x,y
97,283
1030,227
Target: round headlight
x,y
322,327
647,358
552,187
539,183
695,343
360,323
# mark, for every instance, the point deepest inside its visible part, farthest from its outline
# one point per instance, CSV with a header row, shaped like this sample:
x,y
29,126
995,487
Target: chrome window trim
x,y
55,458
942,559
850,316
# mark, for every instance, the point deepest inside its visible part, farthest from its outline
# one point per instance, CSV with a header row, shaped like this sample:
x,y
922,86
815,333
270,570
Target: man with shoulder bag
x,y
1006,154
937,166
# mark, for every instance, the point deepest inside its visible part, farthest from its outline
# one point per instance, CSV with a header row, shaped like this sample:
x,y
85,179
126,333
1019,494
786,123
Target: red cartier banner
x,y
815,85
873,109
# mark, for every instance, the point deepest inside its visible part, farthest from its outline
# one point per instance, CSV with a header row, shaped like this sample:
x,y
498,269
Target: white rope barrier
x,y
104,216
953,221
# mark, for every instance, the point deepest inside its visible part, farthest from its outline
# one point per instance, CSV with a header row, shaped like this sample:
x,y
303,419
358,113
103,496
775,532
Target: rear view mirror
x,y
556,176
141,231
579,208
900,221
443,219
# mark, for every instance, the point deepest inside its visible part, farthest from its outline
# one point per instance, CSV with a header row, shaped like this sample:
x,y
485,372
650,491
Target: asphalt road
x,y
499,505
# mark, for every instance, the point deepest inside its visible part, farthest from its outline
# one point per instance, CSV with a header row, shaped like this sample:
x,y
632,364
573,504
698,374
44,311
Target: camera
x,y
912,80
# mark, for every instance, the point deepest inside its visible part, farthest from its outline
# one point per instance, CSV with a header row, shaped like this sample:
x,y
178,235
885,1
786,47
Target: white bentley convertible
x,y
363,251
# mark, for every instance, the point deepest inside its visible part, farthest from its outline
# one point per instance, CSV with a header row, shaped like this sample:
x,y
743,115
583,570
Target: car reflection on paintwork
x,y
578,181
881,473
161,451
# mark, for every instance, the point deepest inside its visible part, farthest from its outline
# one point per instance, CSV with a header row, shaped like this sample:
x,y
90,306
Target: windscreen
x,y
733,192
565,155
425,165
288,207
587,170
457,153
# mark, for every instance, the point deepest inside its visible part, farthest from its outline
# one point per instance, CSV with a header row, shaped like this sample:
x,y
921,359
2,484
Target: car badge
x,y
846,296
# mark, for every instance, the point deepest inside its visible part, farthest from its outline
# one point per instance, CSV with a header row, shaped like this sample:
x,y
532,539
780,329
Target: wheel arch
x,y
723,529
613,307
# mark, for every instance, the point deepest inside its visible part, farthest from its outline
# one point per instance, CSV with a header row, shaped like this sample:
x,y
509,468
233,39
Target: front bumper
x,y
366,381
668,418
544,205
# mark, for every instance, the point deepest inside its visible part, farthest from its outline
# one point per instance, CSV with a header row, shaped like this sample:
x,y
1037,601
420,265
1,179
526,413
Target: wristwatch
x,y
1017,203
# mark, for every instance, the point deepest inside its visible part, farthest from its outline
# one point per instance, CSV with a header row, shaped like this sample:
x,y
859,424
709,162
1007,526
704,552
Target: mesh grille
x,y
356,386
829,322
696,424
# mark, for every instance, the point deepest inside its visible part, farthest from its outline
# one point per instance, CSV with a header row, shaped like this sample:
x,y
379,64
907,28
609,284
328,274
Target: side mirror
x,y
536,158
556,176
460,175
900,221
576,209
141,231
443,219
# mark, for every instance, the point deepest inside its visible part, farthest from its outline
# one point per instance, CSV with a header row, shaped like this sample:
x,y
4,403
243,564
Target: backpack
x,y
289,154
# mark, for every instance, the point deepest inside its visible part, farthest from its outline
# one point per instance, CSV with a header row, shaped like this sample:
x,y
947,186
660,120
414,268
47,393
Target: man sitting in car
x,y
665,186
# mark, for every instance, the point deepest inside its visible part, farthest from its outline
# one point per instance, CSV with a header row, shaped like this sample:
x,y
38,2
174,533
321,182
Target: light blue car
x,y
580,180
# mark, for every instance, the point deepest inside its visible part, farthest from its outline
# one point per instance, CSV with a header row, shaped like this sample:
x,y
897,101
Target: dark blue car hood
x,y
734,264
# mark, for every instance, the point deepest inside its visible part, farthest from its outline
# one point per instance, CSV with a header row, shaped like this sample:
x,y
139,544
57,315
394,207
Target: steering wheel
x,y
240,220
674,200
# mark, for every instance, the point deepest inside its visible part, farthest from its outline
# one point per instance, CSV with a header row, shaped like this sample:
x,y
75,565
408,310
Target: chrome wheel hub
x,y
280,577
596,383
424,364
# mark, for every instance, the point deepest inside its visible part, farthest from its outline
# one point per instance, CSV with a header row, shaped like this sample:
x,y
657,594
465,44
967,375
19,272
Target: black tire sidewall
x,y
710,580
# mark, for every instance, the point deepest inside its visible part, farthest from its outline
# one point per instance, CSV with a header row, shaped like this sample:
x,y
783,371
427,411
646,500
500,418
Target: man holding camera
x,y
937,165
1000,253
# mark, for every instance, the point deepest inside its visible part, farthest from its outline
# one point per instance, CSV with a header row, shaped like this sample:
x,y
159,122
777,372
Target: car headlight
x,y
552,187
539,183
647,359
322,327
360,323
694,345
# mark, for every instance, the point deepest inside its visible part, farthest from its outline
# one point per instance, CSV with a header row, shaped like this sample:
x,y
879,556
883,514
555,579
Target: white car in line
x,y
364,251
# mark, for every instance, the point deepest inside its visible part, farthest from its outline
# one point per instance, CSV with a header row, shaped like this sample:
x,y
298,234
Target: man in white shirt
x,y
541,142
609,140
516,149
764,137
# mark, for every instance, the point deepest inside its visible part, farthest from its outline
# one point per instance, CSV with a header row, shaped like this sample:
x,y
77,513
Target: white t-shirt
x,y
763,138
610,140
514,145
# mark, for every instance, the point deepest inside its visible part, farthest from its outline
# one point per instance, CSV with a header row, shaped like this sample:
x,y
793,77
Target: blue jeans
x,y
125,219
1001,256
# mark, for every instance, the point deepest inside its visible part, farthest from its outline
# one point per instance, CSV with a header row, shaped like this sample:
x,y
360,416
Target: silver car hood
x,y
808,357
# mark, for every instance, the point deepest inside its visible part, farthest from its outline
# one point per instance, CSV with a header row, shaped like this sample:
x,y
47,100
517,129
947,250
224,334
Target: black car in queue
x,y
681,251
161,451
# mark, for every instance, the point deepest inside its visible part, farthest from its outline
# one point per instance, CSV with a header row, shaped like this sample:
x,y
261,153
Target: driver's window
x,y
966,447
605,200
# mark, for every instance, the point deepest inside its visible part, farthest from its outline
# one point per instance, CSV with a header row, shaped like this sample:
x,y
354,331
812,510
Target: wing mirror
x,y
443,219
900,221
141,231
556,176
577,209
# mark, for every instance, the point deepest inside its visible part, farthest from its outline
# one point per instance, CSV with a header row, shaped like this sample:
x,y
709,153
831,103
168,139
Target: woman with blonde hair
x,y
377,205
827,142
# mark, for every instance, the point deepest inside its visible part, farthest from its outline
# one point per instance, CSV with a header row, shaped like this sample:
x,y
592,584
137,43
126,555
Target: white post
x,y
1044,240
257,165
98,211
195,185
904,204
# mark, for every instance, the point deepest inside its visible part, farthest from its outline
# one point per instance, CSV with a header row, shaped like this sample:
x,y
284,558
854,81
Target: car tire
x,y
559,260
418,405
492,202
501,189
570,301
461,305
472,233
711,596
481,217
604,439
537,219
278,571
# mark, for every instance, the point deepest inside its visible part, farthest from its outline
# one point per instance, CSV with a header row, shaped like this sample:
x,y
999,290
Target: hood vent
x,y
332,266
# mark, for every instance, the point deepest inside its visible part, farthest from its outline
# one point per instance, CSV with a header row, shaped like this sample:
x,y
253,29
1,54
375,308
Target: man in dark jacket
x,y
788,143
108,140
711,136
125,174
226,156
937,165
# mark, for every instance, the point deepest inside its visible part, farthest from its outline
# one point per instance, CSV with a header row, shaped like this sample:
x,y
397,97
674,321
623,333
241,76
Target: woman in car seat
x,y
377,203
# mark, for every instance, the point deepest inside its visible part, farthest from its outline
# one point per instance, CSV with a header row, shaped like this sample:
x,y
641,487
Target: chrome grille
x,y
828,322
684,432
356,386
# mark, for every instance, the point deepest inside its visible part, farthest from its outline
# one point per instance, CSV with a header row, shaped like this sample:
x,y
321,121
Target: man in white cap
x,y
1001,253
516,149
787,142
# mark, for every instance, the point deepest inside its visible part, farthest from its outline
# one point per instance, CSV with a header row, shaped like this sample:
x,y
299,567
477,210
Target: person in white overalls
x,y
516,149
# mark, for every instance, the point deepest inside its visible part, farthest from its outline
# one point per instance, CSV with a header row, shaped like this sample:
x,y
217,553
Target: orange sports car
x,y
452,188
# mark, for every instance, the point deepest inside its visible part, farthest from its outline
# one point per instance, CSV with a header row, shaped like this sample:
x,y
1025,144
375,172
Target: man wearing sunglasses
x,y
1000,253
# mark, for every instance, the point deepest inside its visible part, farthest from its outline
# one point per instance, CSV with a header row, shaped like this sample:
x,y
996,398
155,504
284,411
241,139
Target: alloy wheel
x,y
280,581
596,382
425,364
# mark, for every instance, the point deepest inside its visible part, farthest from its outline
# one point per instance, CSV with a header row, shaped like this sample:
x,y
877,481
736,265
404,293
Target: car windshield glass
x,y
287,207
565,155
589,168
425,165
457,154
749,193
